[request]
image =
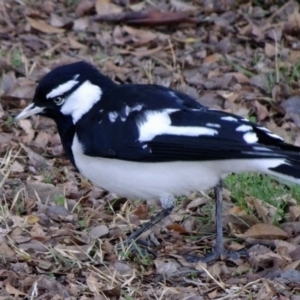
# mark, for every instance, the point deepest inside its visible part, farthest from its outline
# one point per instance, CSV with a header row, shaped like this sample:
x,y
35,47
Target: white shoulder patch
x,y
81,100
62,88
159,123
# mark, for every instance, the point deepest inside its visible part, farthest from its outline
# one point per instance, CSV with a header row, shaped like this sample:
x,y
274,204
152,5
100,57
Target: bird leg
x,y
154,220
133,238
219,246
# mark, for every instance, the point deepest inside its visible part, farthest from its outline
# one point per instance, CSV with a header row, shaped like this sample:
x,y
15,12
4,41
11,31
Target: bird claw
x,y
217,253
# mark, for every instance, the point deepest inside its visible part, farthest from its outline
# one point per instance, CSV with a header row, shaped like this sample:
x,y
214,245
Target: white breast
x,y
151,180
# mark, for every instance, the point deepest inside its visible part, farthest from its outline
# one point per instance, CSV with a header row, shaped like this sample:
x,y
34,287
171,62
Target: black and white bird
x,y
148,141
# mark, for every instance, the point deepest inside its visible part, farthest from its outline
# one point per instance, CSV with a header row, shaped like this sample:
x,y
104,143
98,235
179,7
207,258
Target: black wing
x,y
149,123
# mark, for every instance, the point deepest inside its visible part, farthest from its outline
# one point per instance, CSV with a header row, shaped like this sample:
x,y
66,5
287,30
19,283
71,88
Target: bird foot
x,y
216,254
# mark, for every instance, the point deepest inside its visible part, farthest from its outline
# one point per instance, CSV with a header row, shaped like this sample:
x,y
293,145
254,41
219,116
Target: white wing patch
x,y
129,109
159,123
62,88
229,118
259,148
244,128
81,100
269,133
263,129
213,125
112,115
275,136
250,137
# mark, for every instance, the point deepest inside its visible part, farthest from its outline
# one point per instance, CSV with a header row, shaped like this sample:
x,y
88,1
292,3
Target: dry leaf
x,y
94,285
13,291
16,167
142,212
43,26
264,231
176,227
99,231
25,124
74,44
84,7
182,5
31,219
105,7
270,50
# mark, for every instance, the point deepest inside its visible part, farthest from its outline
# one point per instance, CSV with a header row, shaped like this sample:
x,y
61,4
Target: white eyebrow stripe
x,y
61,89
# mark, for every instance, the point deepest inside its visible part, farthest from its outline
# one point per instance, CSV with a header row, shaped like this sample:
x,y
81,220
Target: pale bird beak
x,y
30,110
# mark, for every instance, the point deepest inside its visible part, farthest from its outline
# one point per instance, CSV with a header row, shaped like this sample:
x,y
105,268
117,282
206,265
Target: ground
x,y
58,232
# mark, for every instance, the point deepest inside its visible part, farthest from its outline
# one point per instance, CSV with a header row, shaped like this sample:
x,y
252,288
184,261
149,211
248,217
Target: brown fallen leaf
x,y
153,18
35,159
213,294
25,124
74,44
6,252
31,219
264,231
84,7
142,52
176,227
59,213
142,36
266,292
166,267
43,26
294,211
45,192
142,212
16,166
104,7
182,5
270,50
99,231
197,202
13,291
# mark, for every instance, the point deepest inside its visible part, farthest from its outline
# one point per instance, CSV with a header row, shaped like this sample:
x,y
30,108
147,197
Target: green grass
x,y
60,200
71,3
10,121
16,58
264,188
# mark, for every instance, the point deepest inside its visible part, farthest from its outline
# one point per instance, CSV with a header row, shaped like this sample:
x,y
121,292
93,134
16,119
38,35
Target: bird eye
x,y
59,100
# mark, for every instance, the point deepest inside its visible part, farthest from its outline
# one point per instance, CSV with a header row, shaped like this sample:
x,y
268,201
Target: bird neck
x,y
66,130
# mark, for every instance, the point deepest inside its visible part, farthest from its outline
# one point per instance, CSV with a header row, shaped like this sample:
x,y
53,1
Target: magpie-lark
x,y
149,141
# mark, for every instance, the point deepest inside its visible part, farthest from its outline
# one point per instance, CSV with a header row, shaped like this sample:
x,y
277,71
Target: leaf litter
x,y
58,232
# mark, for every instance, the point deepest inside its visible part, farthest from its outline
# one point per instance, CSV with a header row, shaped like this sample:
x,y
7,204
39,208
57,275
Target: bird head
x,y
68,90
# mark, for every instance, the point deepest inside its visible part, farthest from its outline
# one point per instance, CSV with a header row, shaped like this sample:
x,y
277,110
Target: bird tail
x,y
288,169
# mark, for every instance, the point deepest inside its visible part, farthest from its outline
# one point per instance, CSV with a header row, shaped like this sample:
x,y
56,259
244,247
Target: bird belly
x,y
146,180
154,180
